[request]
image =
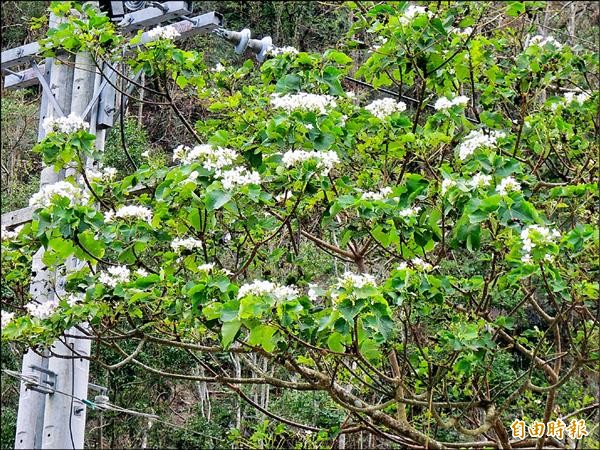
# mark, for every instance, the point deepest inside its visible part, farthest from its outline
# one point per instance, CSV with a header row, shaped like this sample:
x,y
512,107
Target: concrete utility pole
x,y
30,418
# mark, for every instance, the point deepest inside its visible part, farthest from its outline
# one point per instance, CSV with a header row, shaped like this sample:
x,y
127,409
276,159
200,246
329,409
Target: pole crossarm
x,y
203,23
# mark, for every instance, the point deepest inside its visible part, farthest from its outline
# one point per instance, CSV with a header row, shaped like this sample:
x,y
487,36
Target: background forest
x,y
209,415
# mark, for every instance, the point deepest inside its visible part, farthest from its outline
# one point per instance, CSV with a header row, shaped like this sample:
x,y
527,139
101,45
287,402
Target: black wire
x,y
72,396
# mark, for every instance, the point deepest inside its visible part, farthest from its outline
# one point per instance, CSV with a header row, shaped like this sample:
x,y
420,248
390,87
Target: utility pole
x,y
30,419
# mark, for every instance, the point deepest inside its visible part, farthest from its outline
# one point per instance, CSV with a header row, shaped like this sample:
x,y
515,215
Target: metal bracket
x,y
46,88
45,383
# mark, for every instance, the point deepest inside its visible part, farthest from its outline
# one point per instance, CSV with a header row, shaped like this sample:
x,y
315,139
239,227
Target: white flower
x,y
312,292
211,158
44,197
354,280
480,180
180,152
42,310
303,101
168,32
385,107
240,176
74,299
418,263
421,265
285,195
135,212
444,103
187,243
69,124
146,154
309,126
325,160
508,184
541,235
275,51
259,288
409,212
542,41
526,259
383,193
219,68
141,272
571,97
7,235
115,275
5,318
476,139
206,267
447,183
464,32
411,12
107,174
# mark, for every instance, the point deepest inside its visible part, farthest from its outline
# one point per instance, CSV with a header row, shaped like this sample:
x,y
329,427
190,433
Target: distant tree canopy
x,y
420,247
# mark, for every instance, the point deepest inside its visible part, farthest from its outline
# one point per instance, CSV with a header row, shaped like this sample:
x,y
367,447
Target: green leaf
x,y
263,335
334,342
216,199
289,83
229,331
515,8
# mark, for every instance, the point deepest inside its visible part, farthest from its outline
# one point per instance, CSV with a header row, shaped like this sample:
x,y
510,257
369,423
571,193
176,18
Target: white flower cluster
x,y
571,97
444,103
383,193
418,263
541,235
411,12
356,280
542,41
43,198
187,243
208,267
106,174
7,235
303,101
239,176
69,124
168,32
325,160
73,299
447,183
285,195
130,211
385,107
464,32
42,310
219,68
382,41
480,180
276,51
409,212
115,275
141,273
476,139
211,158
5,318
261,287
508,184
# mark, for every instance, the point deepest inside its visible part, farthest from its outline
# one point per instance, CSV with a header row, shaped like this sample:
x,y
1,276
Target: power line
x,y
107,406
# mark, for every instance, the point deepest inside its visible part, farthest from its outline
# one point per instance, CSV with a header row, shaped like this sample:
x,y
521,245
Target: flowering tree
x,y
428,263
